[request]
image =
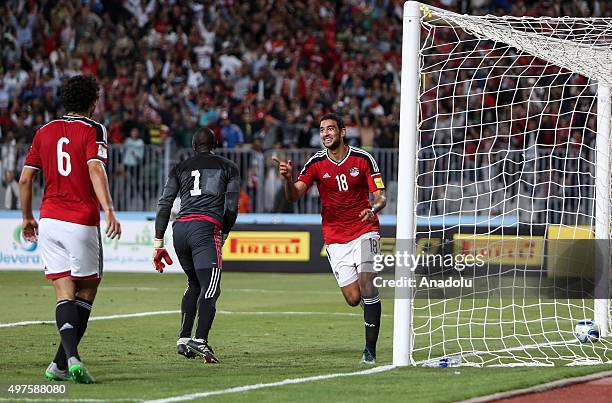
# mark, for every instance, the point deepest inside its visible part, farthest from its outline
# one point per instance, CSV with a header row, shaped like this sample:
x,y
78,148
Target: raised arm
x,y
293,190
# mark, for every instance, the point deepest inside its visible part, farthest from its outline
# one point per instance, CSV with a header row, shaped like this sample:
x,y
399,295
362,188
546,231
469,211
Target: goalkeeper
x,y
208,186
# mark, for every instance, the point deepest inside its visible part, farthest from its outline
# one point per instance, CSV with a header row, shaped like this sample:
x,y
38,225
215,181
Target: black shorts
x,y
197,244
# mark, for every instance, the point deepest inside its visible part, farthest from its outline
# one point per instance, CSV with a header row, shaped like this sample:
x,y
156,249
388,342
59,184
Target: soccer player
x,y
71,152
345,177
209,186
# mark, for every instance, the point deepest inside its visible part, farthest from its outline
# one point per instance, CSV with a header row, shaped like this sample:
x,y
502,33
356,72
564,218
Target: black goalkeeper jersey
x,y
208,185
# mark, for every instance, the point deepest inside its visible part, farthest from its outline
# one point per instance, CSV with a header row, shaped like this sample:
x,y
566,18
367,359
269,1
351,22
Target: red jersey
x,y
345,189
62,149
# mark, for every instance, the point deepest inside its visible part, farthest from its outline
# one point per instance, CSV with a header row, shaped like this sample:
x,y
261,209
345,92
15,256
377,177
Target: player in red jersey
x,y
71,152
345,177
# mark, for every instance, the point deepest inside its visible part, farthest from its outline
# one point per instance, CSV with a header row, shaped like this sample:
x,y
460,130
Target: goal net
x,y
508,120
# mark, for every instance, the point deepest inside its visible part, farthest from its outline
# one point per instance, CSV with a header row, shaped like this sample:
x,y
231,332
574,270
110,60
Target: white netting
x,y
507,152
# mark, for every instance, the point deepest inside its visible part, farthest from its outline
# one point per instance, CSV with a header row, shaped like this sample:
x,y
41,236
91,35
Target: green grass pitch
x,y
270,327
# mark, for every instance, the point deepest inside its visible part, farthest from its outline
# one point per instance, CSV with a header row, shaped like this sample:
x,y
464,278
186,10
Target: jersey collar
x,y
343,159
75,116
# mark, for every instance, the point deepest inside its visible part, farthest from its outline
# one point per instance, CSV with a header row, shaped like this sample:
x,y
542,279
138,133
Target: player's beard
x,y
337,143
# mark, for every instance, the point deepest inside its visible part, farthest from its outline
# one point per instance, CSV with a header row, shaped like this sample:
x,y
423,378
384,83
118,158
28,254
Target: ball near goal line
x,y
505,141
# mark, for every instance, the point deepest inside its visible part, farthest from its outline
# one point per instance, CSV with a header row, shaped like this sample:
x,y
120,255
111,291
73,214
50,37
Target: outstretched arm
x,y
293,190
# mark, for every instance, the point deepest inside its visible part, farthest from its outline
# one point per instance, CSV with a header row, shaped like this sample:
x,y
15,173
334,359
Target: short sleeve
x,y
33,157
97,147
308,174
375,181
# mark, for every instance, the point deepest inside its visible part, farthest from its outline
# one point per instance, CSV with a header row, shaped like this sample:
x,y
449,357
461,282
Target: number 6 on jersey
x,y
63,155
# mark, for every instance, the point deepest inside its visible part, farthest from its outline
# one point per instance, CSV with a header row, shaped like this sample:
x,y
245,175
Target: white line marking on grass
x,y
293,313
154,313
25,399
126,315
264,291
114,288
291,381
141,314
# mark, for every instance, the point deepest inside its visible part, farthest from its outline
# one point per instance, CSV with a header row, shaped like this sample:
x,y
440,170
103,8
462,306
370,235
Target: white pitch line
x,y
112,288
127,315
264,291
59,399
141,314
255,313
291,381
294,313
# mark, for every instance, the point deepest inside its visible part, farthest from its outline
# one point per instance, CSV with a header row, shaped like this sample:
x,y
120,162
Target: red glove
x,y
160,254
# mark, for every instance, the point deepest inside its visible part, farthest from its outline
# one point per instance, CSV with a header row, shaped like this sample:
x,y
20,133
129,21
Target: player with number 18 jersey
x,y
344,188
346,177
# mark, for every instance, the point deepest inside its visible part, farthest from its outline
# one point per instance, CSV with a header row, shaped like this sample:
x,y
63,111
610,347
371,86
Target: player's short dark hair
x,y
79,93
333,116
204,139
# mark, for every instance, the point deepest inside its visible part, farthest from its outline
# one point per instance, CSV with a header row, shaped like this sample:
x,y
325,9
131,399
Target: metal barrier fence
x,y
137,183
540,185
543,185
262,185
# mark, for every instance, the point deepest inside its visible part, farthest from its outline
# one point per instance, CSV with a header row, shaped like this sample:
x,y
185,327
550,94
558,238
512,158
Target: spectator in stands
x,y
11,195
133,153
275,67
8,161
244,202
367,133
231,133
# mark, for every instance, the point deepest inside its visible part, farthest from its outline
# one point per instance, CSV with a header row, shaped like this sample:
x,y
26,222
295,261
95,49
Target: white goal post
x,y
505,150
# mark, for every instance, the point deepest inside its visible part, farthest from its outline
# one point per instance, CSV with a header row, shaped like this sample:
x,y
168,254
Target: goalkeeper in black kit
x,y
208,186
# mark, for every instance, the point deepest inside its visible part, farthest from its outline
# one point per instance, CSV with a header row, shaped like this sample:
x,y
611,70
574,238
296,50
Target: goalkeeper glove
x,y
160,254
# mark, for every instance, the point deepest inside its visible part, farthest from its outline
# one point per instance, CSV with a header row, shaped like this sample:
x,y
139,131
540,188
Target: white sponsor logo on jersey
x,y
326,176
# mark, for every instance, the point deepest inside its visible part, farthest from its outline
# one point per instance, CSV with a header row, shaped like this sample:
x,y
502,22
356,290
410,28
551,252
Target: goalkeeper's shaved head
x,y
204,140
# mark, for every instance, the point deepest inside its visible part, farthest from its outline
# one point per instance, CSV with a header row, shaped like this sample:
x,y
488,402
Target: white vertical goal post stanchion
x,y
406,198
504,153
602,211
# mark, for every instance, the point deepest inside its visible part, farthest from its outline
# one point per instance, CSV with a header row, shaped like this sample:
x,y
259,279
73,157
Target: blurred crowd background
x,y
260,73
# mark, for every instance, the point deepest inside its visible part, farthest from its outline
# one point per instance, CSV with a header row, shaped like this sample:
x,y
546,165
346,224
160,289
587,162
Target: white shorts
x,y
349,259
69,249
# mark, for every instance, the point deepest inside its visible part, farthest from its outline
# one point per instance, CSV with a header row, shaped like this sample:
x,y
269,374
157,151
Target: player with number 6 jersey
x,y
345,177
71,153
63,148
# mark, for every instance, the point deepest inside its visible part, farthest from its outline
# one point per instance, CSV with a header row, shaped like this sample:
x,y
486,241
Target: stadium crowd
x,y
259,72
